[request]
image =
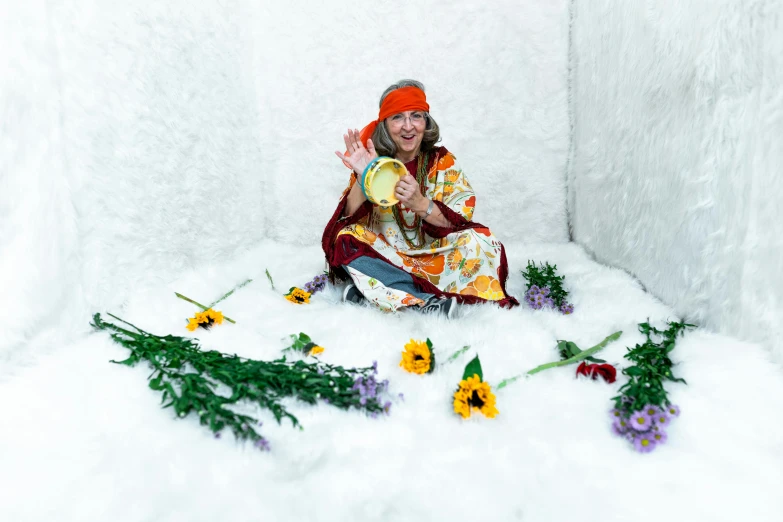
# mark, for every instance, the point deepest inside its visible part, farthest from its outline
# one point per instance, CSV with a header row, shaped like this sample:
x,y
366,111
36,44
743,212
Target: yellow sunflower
x,y
214,315
315,350
205,319
298,296
417,357
474,395
461,405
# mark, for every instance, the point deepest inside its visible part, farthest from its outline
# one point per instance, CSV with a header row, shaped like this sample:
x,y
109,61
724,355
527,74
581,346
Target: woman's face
x,y
407,130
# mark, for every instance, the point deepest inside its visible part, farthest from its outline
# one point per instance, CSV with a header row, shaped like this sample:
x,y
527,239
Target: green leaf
x,y
562,349
573,349
432,356
130,361
634,370
155,383
473,368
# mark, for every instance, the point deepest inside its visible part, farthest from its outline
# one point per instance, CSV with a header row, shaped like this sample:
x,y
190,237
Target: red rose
x,y
607,371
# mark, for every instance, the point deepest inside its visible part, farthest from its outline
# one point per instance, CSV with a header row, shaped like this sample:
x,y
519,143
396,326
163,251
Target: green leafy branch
x,y
652,367
189,379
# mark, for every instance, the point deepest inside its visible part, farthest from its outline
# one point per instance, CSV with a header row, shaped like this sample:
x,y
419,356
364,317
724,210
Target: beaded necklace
x,y
417,241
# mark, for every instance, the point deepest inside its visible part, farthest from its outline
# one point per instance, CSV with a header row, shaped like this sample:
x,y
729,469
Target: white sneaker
x,y
351,294
440,305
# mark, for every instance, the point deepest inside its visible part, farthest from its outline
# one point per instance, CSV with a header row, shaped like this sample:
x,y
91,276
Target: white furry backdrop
x,y
145,138
676,167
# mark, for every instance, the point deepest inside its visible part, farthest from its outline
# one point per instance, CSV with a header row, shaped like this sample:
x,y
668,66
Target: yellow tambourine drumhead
x,y
379,179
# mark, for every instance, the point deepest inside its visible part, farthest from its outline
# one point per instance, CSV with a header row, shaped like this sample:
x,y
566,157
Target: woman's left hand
x,y
409,194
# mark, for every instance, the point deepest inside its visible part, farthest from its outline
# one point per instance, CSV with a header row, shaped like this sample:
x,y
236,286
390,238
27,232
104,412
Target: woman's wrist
x,y
423,207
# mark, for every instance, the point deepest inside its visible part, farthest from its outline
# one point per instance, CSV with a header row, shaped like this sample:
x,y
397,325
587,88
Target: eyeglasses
x,y
416,118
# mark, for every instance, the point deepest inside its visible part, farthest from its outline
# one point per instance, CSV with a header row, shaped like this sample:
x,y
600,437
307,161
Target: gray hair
x,y
381,137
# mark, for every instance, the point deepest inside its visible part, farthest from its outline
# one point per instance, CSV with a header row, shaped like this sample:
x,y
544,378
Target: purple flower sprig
x,y
371,392
652,367
317,284
545,288
644,428
540,297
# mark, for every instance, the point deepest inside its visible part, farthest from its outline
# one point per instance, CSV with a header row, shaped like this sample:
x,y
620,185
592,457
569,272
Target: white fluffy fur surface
x,y
676,168
143,138
86,440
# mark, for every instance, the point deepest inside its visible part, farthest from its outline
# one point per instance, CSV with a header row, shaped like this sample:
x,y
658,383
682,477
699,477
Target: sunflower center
x,y
475,400
299,298
418,357
207,324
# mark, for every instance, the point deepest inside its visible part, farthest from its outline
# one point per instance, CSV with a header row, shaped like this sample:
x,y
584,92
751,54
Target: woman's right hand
x,y
360,156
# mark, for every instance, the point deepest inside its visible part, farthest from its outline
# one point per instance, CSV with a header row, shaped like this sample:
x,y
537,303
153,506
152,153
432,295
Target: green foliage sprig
x,y
652,366
302,344
190,380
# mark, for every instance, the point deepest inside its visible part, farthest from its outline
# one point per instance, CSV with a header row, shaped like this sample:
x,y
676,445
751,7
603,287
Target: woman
x,y
425,252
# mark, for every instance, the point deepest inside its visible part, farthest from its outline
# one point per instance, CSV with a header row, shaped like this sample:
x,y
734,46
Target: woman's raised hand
x,y
360,156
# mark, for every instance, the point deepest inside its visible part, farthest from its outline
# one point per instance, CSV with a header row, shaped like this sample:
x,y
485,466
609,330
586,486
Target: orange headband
x,y
399,100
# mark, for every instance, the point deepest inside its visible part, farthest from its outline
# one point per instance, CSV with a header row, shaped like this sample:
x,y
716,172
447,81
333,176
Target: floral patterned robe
x,y
463,260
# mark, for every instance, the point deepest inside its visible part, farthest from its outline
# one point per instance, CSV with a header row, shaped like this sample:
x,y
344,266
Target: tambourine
x,y
379,179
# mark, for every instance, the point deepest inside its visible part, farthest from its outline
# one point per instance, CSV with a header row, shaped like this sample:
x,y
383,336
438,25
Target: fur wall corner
x,y
677,159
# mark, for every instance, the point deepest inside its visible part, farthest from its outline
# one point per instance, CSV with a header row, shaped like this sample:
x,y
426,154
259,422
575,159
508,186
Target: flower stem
x,y
458,353
578,357
189,300
506,382
269,276
231,292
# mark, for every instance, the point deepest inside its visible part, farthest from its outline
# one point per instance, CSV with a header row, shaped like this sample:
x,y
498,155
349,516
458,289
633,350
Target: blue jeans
x,y
389,275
